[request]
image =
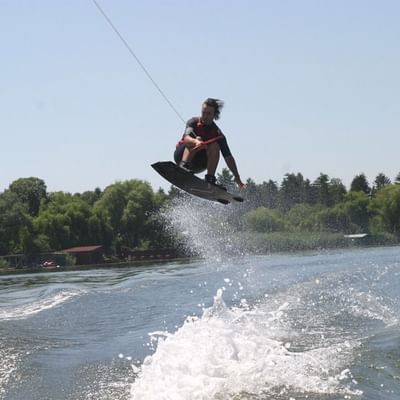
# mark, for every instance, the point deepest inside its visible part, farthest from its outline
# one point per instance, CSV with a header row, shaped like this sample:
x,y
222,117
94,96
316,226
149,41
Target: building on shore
x,y
87,255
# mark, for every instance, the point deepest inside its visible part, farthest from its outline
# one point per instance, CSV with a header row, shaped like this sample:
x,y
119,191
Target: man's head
x,y
210,110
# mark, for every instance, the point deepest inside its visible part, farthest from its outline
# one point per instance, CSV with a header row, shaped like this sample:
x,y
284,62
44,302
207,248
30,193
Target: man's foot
x,y
185,165
213,181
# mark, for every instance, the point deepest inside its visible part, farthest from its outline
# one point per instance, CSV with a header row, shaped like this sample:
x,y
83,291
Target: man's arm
x,y
230,162
190,138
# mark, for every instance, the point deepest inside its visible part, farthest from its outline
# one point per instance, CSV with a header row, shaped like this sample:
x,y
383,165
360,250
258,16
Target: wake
x,y
26,310
232,352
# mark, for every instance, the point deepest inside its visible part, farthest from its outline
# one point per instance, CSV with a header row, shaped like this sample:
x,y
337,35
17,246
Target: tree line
x,y
123,215
325,205
35,221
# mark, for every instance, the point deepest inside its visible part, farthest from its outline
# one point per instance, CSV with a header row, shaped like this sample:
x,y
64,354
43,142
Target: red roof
x,y
83,249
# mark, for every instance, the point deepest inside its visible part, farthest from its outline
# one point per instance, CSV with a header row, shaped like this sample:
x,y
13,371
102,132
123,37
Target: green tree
x,y
263,220
36,243
129,207
65,221
321,190
349,216
360,184
90,197
337,191
380,182
15,222
30,191
309,192
100,229
385,207
328,192
302,217
335,219
356,206
160,197
292,191
269,194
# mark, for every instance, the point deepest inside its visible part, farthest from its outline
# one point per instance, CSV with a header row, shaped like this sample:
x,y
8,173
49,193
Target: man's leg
x,y
181,157
186,155
212,158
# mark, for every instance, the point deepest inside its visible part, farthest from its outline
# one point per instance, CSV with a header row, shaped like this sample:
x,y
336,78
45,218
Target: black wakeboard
x,y
192,184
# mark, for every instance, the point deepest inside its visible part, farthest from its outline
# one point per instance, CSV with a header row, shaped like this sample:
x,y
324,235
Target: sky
x,y
310,86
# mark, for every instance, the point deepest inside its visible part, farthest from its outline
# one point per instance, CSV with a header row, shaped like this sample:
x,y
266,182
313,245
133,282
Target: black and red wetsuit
x,y
195,127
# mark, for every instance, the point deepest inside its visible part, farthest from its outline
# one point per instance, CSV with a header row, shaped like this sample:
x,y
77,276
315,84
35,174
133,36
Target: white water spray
x,y
204,228
230,352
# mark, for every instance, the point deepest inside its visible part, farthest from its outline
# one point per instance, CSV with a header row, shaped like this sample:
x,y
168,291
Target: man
x,y
200,146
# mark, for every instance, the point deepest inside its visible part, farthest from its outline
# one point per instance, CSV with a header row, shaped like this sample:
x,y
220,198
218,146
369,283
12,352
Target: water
x,y
307,326
228,327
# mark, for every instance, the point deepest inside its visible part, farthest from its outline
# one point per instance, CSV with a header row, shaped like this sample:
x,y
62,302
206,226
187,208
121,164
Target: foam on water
x,y
27,310
229,352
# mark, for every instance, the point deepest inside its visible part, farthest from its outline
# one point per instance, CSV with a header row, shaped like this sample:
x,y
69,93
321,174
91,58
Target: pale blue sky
x,y
310,86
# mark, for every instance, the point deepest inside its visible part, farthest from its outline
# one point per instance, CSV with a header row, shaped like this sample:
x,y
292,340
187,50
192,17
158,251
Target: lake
x,y
321,325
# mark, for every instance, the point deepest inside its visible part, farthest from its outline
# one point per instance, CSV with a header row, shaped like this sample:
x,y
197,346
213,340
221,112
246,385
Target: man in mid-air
x,y
199,148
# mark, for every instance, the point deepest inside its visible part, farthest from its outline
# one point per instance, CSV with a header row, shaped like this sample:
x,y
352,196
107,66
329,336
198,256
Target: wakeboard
x,y
192,184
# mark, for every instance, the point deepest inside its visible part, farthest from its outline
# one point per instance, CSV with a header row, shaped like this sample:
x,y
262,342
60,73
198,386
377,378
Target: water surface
x,y
306,326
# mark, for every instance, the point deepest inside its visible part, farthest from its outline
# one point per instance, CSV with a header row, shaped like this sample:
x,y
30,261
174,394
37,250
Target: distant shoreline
x,y
86,267
144,262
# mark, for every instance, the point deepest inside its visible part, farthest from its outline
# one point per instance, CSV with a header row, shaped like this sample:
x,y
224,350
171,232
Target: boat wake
x,y
28,309
238,353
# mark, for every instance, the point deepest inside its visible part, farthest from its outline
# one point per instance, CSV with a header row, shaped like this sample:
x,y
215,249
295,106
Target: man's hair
x,y
216,104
